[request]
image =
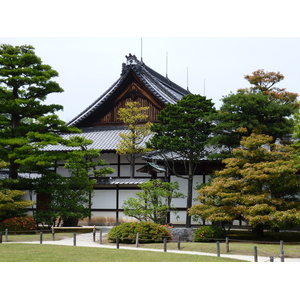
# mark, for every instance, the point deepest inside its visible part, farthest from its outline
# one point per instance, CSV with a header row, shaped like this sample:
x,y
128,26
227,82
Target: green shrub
x,y
208,234
18,224
148,232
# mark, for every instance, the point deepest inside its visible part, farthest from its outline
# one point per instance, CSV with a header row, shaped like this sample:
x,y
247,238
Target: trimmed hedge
x,y
208,234
148,232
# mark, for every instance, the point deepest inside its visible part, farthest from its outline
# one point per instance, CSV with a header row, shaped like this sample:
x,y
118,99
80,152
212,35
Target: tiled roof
x,y
157,155
4,175
161,87
104,138
133,181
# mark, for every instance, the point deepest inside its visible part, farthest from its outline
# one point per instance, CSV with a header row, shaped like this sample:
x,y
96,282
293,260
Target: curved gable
x,y
136,83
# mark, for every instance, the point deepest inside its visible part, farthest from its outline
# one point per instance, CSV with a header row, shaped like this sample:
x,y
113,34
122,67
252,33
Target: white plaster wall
x,y
126,194
103,217
110,158
104,199
125,171
124,160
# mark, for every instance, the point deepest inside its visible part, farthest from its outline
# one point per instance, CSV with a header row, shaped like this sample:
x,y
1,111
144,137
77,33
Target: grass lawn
x,y
14,238
52,253
242,242
292,251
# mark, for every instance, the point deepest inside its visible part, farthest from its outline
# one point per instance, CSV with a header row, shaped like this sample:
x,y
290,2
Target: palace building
x,y
99,122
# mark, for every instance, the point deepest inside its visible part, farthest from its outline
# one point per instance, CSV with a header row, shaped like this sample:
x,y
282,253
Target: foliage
x,y
263,82
26,124
12,203
186,140
154,202
208,234
132,144
18,224
66,200
261,109
70,198
86,160
148,232
259,184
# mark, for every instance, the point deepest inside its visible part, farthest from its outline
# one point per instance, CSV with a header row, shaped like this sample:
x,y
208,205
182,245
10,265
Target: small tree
x,y
259,185
132,144
70,198
154,202
86,167
182,136
12,203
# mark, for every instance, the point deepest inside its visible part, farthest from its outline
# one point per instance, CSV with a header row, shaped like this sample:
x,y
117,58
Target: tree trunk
x,y
13,170
258,231
189,201
70,222
132,165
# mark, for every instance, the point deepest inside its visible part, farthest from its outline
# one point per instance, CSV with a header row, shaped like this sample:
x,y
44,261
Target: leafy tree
x,y
70,198
259,185
261,109
85,165
154,202
26,124
12,203
182,135
132,144
263,82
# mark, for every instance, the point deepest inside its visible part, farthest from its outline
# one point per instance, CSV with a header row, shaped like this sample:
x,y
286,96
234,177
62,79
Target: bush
x,y
208,234
148,232
18,224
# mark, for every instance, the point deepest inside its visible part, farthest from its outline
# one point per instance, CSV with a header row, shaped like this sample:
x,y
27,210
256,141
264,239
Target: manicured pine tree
x,y
182,136
261,109
26,123
259,184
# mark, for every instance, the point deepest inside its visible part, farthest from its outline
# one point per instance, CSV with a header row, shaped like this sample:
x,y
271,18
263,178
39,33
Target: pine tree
x,y
182,136
26,123
262,109
259,184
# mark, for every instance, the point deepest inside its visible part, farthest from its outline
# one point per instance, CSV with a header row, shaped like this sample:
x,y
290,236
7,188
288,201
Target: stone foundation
x,y
185,234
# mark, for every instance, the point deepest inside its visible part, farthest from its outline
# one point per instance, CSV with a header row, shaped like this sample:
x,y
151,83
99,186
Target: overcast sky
x,y
219,42
213,67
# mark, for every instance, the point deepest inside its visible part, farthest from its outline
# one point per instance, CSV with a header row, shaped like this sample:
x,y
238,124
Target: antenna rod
x,y
204,87
187,78
141,49
167,65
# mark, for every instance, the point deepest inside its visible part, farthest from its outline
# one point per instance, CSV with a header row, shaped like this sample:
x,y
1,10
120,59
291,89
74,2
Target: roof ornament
x,y
131,60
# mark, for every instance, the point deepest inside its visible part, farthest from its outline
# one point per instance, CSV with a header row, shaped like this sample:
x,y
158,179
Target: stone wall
x,y
185,234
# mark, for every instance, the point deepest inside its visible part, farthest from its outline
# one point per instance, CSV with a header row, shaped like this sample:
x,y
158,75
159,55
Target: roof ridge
x,y
158,82
167,91
100,99
167,81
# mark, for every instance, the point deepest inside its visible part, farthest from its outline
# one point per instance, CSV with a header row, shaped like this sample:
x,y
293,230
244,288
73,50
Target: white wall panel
x,y
126,194
104,199
110,158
